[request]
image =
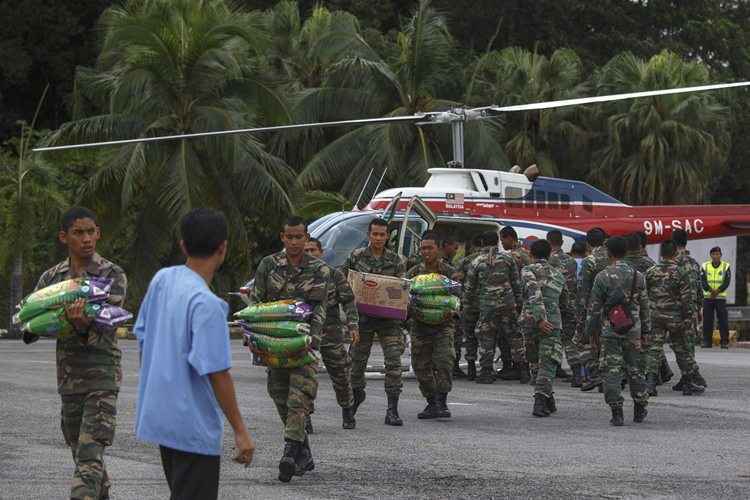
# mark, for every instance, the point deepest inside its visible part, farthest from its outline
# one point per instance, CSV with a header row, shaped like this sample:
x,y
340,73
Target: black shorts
x,y
190,476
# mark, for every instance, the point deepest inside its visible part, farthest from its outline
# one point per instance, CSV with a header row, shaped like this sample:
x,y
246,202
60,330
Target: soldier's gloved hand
x,y
30,338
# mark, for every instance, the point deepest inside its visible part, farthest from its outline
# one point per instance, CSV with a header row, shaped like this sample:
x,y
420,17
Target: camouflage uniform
x,y
588,342
620,353
432,354
569,268
521,256
639,262
388,330
672,311
545,297
690,266
492,298
293,390
335,356
465,334
88,380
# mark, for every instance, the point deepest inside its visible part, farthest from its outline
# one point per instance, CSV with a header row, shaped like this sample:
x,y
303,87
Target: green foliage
x,y
664,149
171,67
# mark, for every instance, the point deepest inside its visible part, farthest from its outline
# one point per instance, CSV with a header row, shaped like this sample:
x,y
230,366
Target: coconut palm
x,y
300,56
517,76
662,149
172,67
363,86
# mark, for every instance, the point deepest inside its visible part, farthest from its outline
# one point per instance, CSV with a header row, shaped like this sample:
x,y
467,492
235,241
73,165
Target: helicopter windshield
x,y
343,236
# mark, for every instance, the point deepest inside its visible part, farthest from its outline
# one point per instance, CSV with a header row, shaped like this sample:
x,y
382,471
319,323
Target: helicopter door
x,y
390,210
417,218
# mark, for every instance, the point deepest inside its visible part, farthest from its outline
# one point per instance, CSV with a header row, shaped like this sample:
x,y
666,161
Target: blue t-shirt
x,y
183,336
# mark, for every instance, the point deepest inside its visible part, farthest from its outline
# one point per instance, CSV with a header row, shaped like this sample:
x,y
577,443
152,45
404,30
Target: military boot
x,y
690,388
308,425
617,418
430,411
540,406
651,385
471,371
639,412
359,397
679,385
486,376
577,379
665,371
457,372
551,404
288,463
391,414
525,376
304,461
509,372
442,405
591,384
347,418
698,379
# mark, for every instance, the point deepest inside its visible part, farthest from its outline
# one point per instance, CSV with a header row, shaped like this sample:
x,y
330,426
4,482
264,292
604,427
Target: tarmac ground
x,y
689,447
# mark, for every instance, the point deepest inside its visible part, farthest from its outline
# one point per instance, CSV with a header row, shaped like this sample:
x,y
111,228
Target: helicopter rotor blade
x,y
367,121
608,98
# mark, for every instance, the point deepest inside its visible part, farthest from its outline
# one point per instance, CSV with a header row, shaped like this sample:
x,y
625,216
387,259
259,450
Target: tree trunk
x,y
16,292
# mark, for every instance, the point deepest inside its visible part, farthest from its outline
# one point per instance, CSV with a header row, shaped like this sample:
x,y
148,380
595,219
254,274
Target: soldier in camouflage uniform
x,y
88,364
620,284
591,266
691,267
377,259
569,268
335,355
635,256
468,329
545,303
432,351
672,312
510,243
492,299
642,262
292,274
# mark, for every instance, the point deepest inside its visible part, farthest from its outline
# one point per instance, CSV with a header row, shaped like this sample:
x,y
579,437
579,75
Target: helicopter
x,y
462,202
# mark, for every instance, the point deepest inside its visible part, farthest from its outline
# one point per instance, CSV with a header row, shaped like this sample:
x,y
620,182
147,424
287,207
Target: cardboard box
x,y
380,296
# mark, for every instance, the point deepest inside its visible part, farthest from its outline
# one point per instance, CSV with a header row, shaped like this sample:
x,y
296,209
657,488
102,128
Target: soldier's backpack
x,y
620,316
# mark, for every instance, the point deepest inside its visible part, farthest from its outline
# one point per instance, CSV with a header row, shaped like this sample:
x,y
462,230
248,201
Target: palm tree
x,y
173,67
316,204
366,85
517,76
662,149
29,203
300,56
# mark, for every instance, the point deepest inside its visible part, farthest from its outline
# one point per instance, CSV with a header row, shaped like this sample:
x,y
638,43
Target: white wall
x,y
699,251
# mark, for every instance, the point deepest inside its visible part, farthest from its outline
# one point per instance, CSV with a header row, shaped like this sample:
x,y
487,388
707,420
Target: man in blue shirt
x,y
185,360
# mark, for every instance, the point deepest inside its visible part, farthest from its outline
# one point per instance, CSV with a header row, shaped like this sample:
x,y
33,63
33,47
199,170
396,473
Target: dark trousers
x,y
190,476
719,306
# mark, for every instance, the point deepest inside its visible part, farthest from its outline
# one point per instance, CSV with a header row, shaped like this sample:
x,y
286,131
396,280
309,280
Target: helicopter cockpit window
x,y
341,239
513,196
413,238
